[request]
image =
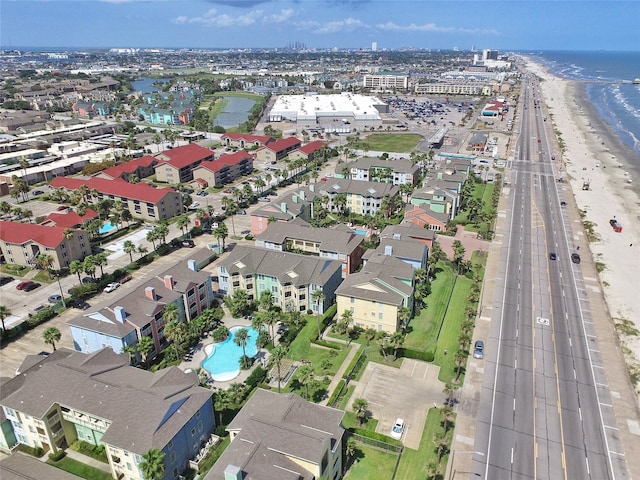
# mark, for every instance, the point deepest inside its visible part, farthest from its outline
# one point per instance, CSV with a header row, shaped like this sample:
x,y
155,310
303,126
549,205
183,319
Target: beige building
x,y
21,243
176,165
362,197
377,293
142,200
224,170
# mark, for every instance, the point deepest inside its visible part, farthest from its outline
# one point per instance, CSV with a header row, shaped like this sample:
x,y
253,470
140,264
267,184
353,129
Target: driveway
x,y
407,392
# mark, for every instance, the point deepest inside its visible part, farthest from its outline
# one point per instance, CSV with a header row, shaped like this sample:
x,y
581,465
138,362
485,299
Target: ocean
x,y
607,77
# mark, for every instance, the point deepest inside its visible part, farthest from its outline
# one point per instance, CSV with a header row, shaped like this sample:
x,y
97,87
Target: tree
x,y
306,377
221,232
222,401
277,355
440,442
162,229
350,449
142,250
318,297
230,207
152,465
129,350
152,236
240,338
395,341
175,332
360,408
183,222
145,347
44,261
450,389
459,358
100,259
129,247
458,253
4,313
447,418
433,470
77,267
51,335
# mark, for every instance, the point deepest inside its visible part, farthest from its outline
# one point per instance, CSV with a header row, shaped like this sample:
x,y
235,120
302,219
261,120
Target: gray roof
x,y
286,267
386,274
358,187
400,248
408,230
330,240
147,409
288,206
140,309
272,427
365,163
20,466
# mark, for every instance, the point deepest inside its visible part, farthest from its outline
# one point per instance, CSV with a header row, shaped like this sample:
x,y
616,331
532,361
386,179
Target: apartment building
x,y
140,313
370,169
176,165
361,197
289,208
386,82
347,247
69,218
142,200
224,170
406,249
290,277
377,293
142,167
277,150
99,399
21,243
308,152
282,436
244,140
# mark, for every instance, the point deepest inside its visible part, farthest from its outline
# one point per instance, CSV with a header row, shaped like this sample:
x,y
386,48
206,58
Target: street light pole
x,y
64,304
452,472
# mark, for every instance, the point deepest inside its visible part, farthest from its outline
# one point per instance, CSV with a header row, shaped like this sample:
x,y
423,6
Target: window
x,y
172,457
380,316
352,300
193,432
198,414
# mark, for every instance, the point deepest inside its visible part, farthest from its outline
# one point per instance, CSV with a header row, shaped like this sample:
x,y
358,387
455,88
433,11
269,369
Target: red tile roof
x,y
130,166
225,159
311,147
263,139
283,144
117,188
184,156
20,233
71,219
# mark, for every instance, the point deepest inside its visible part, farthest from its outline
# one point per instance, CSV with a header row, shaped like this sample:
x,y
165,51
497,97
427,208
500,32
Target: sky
x,y
354,24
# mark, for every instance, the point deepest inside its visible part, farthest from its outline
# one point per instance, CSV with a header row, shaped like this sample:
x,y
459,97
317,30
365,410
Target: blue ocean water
x,y
607,77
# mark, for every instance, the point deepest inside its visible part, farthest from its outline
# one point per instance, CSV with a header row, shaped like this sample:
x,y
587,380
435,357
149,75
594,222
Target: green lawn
x,y
392,142
80,469
302,349
371,464
351,421
424,328
413,463
13,269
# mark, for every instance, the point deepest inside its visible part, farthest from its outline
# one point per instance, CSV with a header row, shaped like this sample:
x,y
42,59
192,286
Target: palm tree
x,y
433,470
182,222
441,442
360,406
145,347
350,449
89,266
152,236
142,250
5,312
230,207
68,234
221,232
152,465
447,418
277,355
318,297
130,350
51,335
240,338
77,267
44,261
162,229
222,401
174,331
306,377
129,247
100,259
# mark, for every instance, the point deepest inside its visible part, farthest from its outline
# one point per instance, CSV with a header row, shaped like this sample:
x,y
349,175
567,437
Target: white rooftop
x,y
347,106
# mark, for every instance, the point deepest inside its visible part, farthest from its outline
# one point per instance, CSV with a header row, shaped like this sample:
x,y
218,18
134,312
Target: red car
x,y
21,285
323,179
61,207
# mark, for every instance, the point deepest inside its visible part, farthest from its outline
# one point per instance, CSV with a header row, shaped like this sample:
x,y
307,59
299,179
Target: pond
x,y
146,85
235,112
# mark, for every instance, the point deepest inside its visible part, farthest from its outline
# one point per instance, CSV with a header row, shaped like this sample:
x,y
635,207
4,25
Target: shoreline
x,y
593,153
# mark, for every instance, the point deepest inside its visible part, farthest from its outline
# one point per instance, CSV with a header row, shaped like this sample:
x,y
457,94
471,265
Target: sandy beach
x,y
594,154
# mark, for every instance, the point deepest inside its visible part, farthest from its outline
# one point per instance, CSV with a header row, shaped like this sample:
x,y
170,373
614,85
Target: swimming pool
x,y
360,231
223,359
106,227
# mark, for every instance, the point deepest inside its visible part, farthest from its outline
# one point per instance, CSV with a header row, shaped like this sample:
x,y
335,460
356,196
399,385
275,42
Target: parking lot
x,y
407,393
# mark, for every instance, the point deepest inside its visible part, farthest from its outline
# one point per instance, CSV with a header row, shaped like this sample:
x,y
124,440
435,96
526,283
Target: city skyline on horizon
x,y
320,24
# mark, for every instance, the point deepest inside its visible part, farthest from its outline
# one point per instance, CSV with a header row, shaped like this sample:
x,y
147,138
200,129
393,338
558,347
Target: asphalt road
x,y
545,410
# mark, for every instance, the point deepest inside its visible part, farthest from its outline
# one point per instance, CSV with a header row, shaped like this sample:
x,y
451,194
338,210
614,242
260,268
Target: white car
x,y
398,428
111,287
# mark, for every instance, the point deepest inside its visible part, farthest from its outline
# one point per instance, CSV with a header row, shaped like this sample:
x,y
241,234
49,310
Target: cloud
x,y
336,26
432,27
213,18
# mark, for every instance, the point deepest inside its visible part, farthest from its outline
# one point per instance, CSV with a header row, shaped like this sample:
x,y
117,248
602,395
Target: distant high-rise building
x,y
490,54
374,46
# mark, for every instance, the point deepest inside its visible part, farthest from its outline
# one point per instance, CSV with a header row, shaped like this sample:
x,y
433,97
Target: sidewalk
x,y
355,347
79,457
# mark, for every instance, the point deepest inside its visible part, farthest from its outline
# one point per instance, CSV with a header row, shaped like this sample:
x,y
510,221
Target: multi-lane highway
x,y
545,410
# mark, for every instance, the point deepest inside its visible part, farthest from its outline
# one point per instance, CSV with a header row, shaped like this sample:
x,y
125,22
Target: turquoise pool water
x,y
360,231
223,363
106,227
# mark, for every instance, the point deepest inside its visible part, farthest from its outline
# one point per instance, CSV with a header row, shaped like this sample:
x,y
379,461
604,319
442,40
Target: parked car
x,y
188,243
575,258
37,192
227,191
61,207
478,349
31,286
563,204
398,428
202,193
39,308
81,304
89,280
194,205
111,287
4,280
264,199
21,285
240,212
553,256
54,298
